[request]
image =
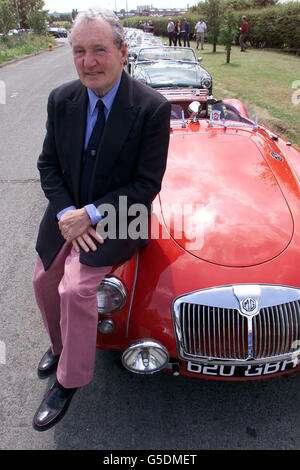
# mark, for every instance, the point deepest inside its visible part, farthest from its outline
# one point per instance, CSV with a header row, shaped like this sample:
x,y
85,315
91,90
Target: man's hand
x,y
75,226
86,242
74,223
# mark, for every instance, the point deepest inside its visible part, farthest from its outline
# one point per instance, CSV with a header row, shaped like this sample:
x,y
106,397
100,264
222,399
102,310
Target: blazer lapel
x,y
76,115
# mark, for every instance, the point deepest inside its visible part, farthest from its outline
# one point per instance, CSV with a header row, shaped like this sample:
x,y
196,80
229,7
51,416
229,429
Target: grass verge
x,y
32,43
263,80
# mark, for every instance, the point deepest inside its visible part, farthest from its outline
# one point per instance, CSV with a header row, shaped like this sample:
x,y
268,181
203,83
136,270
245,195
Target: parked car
x,y
216,292
168,66
138,39
58,32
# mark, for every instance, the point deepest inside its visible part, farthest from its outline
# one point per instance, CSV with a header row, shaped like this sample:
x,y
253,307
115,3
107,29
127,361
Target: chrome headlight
x,y
206,82
111,295
145,356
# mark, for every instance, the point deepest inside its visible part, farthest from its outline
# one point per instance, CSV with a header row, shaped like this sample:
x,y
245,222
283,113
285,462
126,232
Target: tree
x,y
238,5
229,30
8,18
25,8
37,21
212,10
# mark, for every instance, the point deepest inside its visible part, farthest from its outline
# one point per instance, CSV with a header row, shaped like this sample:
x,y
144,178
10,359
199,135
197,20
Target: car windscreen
x,y
167,53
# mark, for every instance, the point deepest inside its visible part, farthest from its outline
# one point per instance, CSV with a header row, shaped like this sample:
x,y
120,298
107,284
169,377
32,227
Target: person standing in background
x,y
243,33
186,34
200,30
171,30
177,34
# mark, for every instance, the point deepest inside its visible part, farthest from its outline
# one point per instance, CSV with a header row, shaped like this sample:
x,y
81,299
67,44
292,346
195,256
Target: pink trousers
x,y
67,297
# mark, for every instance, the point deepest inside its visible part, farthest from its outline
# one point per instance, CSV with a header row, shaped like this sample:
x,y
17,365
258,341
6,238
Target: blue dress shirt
x,y
91,118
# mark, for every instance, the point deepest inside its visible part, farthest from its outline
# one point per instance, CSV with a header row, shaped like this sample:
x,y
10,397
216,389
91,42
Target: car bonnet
x,y
221,199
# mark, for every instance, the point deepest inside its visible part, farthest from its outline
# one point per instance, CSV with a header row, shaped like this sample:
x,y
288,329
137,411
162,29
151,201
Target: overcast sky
x,y
68,5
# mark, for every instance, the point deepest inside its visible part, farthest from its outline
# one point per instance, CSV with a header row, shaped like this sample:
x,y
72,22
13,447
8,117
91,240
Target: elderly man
x,y
107,138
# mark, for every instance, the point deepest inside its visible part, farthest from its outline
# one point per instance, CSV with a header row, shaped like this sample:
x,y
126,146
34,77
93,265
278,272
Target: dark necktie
x,y
90,153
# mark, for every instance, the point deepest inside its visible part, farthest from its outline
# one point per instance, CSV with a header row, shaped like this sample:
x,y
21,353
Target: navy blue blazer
x,y
130,161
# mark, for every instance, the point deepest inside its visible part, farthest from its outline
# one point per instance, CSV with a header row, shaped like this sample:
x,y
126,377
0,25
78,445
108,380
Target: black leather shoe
x,y
53,407
47,364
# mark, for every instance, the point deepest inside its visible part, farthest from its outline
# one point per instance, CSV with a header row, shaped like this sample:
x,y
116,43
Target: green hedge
x,y
274,27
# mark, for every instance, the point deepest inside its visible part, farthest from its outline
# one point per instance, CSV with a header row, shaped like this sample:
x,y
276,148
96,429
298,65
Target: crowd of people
x,y
181,32
147,26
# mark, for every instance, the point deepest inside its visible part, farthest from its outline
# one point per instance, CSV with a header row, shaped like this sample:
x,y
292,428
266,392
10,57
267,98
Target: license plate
x,y
221,370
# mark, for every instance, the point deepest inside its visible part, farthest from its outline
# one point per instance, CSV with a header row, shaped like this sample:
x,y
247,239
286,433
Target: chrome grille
x,y
214,332
225,334
276,330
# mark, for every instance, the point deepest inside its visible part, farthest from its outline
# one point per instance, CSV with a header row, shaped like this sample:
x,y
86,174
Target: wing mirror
x,y
199,59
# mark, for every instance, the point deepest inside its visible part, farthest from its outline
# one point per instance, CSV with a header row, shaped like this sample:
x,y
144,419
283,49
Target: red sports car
x,y
216,292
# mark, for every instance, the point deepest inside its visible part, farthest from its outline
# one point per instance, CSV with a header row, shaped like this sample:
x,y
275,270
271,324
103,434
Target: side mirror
x,y
199,59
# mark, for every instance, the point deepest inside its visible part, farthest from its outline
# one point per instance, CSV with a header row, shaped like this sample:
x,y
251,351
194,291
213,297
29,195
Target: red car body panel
x,y
222,205
239,188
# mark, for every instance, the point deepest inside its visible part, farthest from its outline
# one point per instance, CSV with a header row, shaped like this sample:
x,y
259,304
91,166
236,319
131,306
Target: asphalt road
x,y
118,410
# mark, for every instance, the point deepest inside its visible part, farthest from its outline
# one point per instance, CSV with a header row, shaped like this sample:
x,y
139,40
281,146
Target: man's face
x,y
98,61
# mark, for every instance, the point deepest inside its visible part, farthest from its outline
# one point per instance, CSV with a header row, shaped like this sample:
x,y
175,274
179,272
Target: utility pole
x,y
19,25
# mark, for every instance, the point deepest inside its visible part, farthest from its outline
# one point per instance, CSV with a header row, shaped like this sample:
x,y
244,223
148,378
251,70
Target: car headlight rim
x,y
206,82
145,356
110,287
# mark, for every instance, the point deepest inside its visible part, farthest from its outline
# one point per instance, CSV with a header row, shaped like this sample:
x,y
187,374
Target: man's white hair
x,y
94,14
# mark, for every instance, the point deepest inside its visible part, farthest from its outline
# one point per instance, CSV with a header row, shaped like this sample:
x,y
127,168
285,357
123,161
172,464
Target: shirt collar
x,y
107,99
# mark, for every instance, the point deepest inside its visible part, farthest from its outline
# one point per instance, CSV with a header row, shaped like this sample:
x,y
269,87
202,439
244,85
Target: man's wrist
x,y
93,213
59,214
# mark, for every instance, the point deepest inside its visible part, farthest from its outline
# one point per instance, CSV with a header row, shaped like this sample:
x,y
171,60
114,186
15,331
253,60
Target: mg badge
x,y
249,306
